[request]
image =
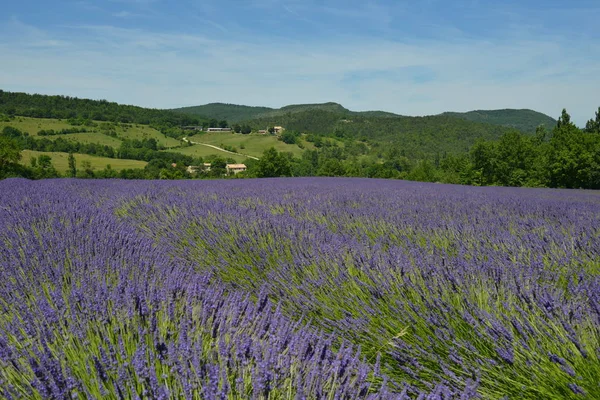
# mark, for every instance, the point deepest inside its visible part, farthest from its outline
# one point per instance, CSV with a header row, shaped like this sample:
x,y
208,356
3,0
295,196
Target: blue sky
x,y
409,57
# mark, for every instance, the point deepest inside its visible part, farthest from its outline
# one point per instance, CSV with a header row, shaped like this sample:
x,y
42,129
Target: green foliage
x,y
272,164
82,111
289,137
420,137
229,112
72,166
10,154
593,125
566,158
523,120
42,168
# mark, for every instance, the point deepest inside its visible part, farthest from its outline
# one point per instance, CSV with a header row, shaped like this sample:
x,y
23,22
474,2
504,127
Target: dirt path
x,y
219,148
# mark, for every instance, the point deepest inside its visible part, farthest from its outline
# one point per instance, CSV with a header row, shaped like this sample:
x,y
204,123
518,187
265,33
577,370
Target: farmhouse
x,y
263,131
218,130
235,168
278,129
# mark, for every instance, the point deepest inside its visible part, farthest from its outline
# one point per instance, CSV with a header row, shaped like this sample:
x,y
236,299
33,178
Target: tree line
x,y
563,157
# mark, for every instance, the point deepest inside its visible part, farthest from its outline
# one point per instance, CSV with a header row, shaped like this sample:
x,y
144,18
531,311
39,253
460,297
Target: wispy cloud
x,y
411,76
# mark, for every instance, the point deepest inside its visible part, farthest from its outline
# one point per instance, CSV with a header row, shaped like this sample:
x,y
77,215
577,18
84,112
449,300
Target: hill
x,y
65,107
234,113
417,136
448,132
221,111
524,120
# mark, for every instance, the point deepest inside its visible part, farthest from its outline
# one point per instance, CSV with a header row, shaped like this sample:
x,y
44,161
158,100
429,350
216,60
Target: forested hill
x,y
237,113
524,120
65,107
416,135
222,111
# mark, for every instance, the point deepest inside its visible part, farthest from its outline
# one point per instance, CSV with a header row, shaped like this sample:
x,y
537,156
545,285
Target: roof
x,y
234,166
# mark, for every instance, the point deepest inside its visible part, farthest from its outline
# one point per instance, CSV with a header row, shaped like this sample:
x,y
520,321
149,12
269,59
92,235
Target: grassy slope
x,y
34,125
124,131
255,144
89,137
198,150
146,132
132,131
60,160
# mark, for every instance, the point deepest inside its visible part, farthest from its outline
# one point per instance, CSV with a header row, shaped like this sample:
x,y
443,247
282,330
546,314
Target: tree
x,y
237,128
514,159
72,166
10,153
482,156
271,130
272,164
218,167
570,155
564,119
223,124
87,170
288,137
246,129
44,168
593,125
108,172
332,167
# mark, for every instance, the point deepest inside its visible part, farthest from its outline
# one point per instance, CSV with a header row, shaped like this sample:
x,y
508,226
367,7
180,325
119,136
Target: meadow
x,y
306,288
93,134
60,161
253,144
198,150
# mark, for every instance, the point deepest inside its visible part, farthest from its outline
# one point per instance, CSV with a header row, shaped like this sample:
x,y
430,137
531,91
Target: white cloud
x,y
170,70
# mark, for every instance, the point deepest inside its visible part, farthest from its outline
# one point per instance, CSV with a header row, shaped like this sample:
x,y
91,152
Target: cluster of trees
x,y
10,155
66,131
72,108
565,157
244,129
421,137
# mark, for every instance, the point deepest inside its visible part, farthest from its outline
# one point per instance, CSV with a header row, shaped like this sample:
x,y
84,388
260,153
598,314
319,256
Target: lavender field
x,y
297,289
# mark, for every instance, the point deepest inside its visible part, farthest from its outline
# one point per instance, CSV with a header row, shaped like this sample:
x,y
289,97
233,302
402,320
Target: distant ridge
x,y
524,120
224,111
236,113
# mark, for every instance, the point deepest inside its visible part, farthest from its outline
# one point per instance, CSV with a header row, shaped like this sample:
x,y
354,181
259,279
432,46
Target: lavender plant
x,y
297,288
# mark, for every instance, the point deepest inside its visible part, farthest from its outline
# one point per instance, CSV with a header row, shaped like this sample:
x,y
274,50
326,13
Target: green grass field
x,y
89,137
61,163
254,144
140,132
124,131
198,150
34,125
